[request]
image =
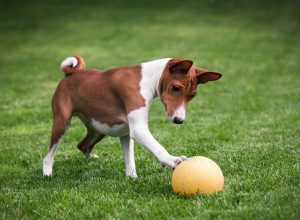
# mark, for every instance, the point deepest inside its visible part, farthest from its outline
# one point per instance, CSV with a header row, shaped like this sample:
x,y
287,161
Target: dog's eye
x,y
193,95
176,88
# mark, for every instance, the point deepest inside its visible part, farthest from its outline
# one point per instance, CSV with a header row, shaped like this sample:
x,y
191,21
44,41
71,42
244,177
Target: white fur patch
x,y
151,74
115,130
49,159
179,113
128,150
70,61
138,119
138,122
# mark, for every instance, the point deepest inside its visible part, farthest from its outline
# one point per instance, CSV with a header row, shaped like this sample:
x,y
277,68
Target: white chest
x,y
115,130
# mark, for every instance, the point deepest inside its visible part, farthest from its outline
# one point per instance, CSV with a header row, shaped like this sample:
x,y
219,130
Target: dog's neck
x,y
151,74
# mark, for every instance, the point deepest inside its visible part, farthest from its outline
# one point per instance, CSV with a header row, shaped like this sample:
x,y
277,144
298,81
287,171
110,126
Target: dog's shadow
x,y
95,174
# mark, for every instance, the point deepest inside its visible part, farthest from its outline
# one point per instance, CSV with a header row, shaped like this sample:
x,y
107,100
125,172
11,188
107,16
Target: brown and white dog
x,y
116,102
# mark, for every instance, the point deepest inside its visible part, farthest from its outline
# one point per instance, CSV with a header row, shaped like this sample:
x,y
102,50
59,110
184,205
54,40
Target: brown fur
x,y
109,96
178,84
101,95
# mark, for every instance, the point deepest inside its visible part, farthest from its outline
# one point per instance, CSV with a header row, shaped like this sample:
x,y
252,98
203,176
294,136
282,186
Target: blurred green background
x,y
248,122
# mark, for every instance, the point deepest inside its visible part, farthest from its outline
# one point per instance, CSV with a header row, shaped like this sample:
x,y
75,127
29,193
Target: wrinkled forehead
x,y
188,80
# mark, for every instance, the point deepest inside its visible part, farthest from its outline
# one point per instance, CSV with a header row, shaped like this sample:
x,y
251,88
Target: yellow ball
x,y
197,175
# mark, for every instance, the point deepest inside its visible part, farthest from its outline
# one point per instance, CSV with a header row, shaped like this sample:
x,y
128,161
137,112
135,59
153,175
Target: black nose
x,y
177,120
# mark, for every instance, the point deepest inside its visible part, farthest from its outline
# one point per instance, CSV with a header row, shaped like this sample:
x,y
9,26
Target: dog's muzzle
x,y
179,115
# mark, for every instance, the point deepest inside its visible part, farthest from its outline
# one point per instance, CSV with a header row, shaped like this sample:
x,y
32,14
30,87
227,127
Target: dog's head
x,y
178,86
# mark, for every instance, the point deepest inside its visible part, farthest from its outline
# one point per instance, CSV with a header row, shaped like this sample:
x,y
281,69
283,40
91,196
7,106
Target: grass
x,y
248,122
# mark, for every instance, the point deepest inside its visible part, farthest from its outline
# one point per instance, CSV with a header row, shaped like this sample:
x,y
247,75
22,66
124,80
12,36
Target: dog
x,y
116,102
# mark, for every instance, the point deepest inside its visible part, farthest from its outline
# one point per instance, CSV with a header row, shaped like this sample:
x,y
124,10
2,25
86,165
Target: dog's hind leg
x,y
87,144
60,125
62,108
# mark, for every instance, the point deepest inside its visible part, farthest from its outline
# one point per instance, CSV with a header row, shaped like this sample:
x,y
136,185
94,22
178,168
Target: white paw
x,y
91,155
178,160
47,166
173,161
131,174
47,170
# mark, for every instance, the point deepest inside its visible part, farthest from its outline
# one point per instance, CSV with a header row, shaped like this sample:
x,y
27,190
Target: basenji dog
x,y
116,102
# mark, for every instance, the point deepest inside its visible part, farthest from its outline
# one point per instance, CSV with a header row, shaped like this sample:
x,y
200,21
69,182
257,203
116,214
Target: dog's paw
x,y
91,155
173,161
47,170
47,167
131,174
178,160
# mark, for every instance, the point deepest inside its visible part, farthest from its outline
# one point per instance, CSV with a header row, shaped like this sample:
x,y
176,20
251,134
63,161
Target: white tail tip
x,y
69,61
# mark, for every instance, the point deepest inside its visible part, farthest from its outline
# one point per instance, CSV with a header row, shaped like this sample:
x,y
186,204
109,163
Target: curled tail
x,y
71,64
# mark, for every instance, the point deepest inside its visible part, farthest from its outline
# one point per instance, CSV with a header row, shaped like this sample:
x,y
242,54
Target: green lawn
x,y
248,122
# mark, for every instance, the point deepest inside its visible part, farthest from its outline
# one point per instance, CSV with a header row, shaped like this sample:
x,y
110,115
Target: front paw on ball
x,y
178,160
172,161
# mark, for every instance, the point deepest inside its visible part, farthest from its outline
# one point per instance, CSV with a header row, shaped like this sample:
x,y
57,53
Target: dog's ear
x,y
203,75
180,66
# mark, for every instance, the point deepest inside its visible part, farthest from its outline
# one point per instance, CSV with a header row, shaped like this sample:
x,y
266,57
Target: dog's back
x,y
99,94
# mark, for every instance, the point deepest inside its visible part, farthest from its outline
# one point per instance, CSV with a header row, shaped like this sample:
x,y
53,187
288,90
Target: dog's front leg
x,y
138,126
128,151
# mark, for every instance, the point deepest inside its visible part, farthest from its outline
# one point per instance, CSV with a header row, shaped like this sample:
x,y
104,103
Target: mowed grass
x,y
248,122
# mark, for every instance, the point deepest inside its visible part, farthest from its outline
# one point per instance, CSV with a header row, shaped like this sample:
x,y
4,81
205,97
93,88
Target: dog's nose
x,y
177,120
